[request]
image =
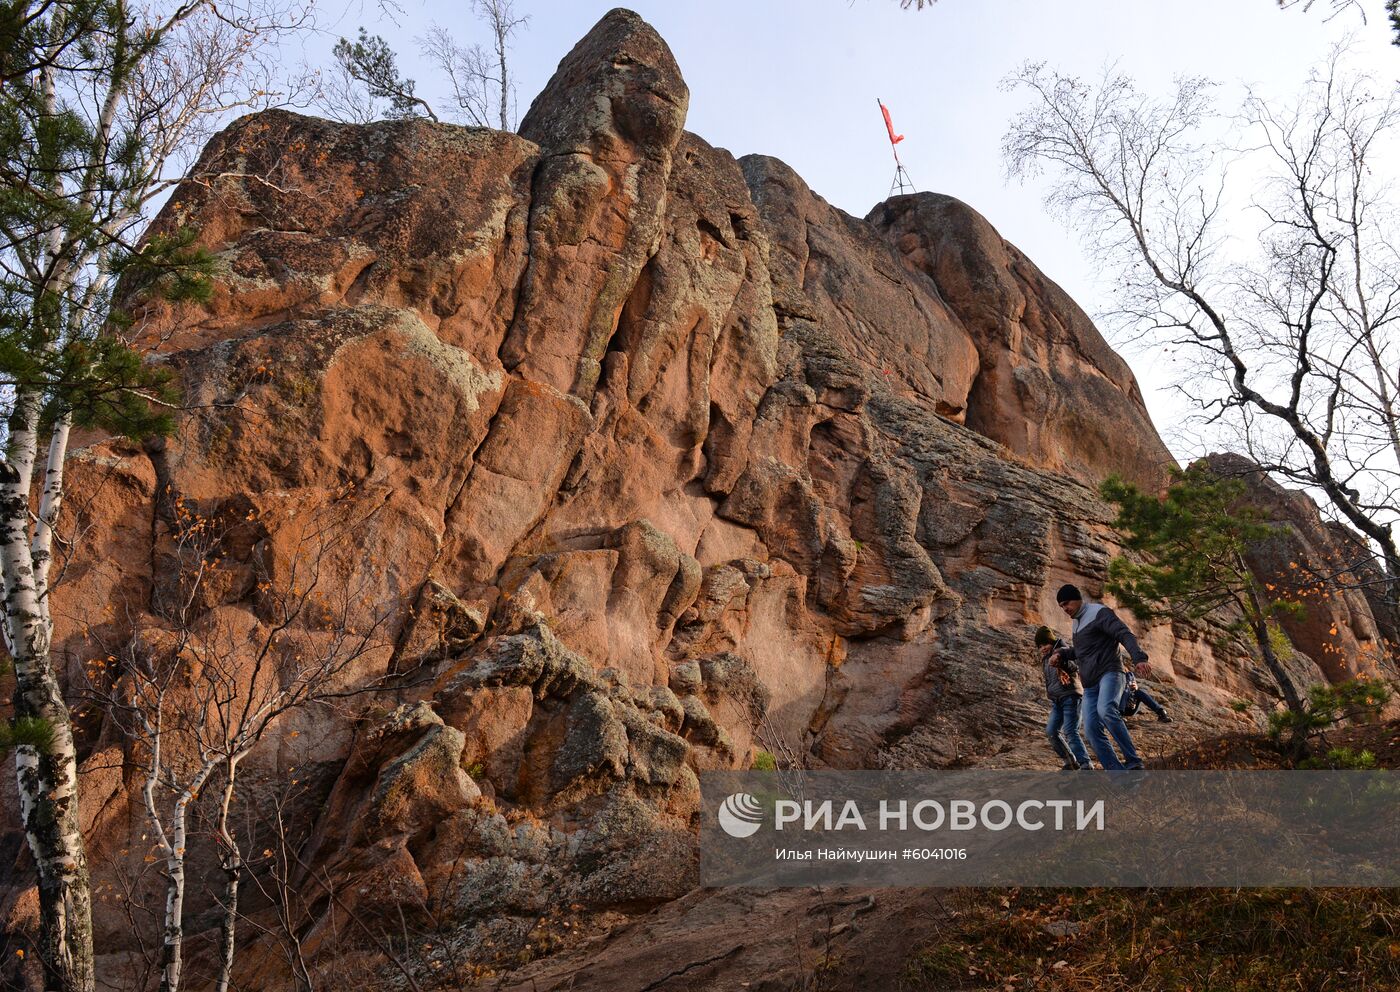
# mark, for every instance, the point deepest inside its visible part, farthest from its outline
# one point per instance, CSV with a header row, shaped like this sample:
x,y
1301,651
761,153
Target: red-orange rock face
x,y
646,457
1340,628
1049,387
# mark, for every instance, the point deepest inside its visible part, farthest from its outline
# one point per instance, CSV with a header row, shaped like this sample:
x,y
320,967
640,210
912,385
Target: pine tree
x,y
1190,560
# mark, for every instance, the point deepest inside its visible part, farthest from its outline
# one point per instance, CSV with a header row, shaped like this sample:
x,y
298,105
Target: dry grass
x,y
1165,940
1176,940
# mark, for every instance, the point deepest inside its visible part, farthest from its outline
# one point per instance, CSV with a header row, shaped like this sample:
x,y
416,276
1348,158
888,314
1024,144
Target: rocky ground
x,y
1009,940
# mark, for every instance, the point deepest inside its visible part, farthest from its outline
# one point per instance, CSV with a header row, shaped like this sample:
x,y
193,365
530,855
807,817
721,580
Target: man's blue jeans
x,y
1102,718
1064,719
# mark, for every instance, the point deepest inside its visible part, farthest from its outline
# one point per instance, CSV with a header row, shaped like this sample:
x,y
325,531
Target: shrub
x,y
1326,706
1342,758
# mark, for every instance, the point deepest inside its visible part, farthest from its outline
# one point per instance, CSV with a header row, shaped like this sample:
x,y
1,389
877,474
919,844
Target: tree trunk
x,y
1260,625
505,96
172,947
501,28
49,810
1391,593
1291,698
173,951
50,502
232,863
47,780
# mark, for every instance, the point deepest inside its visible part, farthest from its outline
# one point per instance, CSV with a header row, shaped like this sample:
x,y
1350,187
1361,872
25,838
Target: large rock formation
x,y
1049,387
1343,623
635,459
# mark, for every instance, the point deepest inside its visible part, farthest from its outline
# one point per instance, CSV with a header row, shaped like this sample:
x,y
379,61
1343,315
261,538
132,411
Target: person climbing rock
x,y
1096,637
1062,729
1134,695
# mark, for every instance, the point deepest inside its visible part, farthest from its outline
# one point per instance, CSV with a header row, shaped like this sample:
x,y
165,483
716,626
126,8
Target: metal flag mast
x,y
902,183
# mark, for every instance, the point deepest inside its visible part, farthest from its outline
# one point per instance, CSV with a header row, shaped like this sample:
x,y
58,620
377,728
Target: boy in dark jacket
x,y
1063,726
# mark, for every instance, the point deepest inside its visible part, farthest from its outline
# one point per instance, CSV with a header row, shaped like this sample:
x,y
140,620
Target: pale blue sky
x,y
798,79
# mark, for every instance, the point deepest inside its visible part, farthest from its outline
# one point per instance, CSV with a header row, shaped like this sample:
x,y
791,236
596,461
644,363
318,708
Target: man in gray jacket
x,y
1097,633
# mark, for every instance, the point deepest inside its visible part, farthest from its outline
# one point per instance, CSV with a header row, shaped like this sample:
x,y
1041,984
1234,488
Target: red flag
x,y
889,125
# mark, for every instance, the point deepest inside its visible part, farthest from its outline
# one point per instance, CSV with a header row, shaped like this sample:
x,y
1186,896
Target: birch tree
x,y
365,83
103,102
1285,313
483,93
199,689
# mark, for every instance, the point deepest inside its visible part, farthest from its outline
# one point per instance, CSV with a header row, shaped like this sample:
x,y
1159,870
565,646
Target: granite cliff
x,y
641,459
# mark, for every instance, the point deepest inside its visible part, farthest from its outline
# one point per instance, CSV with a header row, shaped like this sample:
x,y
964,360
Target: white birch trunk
x,y
232,864
48,780
173,845
50,502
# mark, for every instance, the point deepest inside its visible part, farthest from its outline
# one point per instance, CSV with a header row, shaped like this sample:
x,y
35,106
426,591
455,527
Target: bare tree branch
x,y
1291,346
